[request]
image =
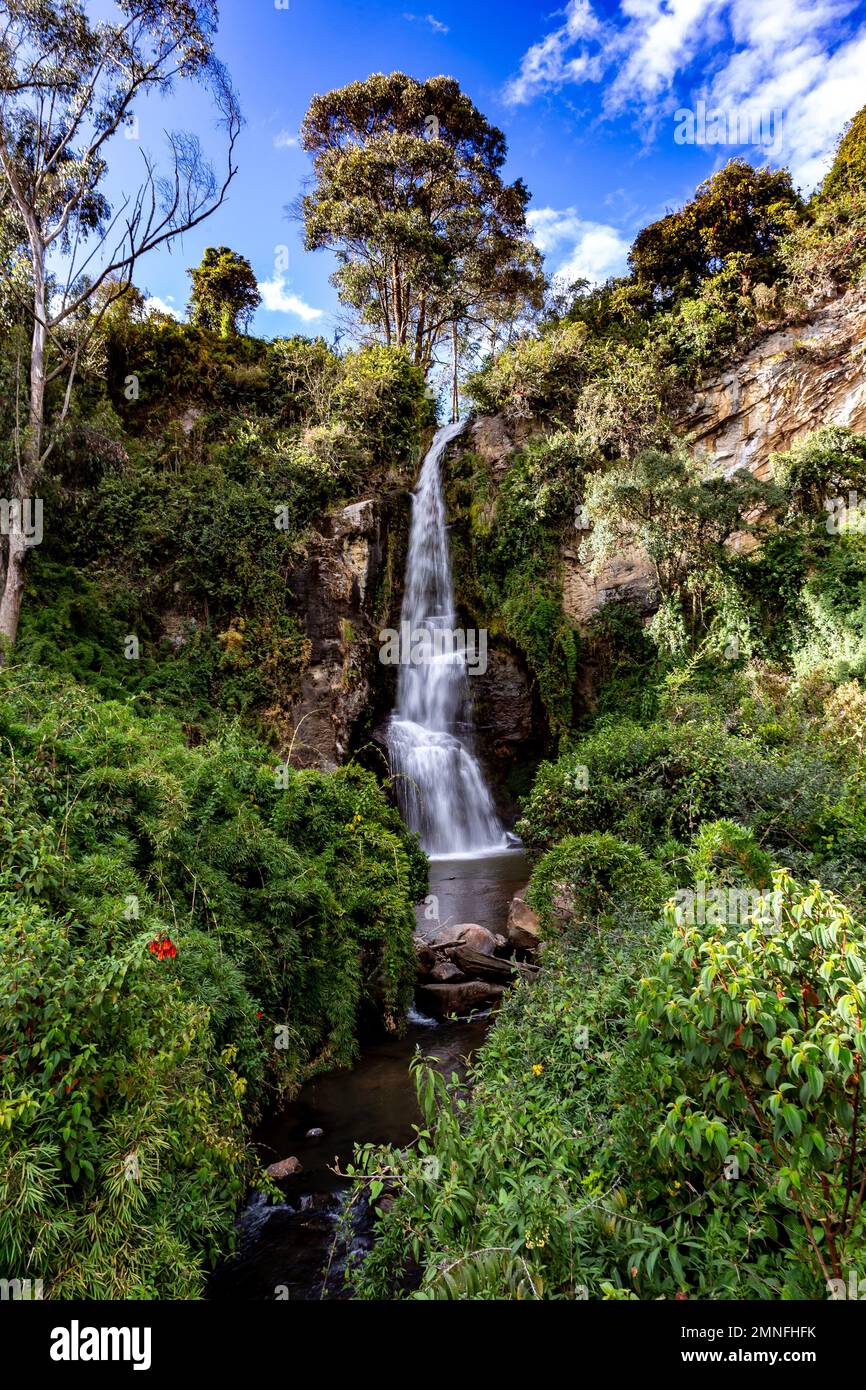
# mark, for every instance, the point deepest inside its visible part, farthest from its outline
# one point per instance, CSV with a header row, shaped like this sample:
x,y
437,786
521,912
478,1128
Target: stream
x,y
284,1247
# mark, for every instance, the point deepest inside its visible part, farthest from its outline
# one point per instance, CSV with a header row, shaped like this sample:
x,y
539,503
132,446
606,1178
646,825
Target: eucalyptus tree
x,y
69,85
431,242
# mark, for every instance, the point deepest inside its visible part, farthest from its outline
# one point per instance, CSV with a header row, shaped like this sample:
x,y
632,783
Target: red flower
x,y
162,947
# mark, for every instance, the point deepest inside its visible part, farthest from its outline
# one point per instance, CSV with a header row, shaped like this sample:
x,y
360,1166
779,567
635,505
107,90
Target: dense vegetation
x,y
675,1108
185,935
190,926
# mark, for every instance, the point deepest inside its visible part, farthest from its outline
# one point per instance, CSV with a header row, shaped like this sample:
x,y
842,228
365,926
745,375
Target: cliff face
x,y
790,384
793,381
346,589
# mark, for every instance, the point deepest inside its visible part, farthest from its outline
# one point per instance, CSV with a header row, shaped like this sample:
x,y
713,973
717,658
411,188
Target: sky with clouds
x,y
614,111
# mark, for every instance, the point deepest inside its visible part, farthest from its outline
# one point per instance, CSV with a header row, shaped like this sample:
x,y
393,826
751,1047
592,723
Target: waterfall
x,y
439,782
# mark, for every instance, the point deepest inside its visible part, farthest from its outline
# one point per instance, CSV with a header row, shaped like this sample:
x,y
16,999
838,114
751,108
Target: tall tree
x,y
738,211
224,294
409,195
68,85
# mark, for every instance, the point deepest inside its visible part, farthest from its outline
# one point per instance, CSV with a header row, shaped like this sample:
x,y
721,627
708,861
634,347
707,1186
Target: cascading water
x,y
440,785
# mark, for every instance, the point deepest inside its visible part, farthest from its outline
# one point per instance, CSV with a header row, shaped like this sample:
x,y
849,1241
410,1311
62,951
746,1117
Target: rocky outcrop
x,y
502,705
344,592
623,576
462,966
791,383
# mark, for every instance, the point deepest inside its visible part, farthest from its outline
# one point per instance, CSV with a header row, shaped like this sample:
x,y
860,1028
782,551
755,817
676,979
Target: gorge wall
x,y
794,379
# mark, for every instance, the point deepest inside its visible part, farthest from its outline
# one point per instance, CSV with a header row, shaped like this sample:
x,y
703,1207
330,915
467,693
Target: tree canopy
x,y
409,195
740,211
224,294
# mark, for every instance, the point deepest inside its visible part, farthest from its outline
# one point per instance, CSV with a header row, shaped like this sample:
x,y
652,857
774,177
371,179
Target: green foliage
x,y
739,211
670,1110
186,510
728,853
289,913
510,571
225,294
757,1040
595,878
848,173
684,522
410,264
538,377
826,465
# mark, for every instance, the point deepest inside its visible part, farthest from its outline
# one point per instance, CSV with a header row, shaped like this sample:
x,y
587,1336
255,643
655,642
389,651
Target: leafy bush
x,y
596,878
181,938
758,1039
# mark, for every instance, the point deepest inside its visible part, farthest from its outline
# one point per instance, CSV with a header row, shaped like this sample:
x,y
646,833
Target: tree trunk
x,y
455,388
26,475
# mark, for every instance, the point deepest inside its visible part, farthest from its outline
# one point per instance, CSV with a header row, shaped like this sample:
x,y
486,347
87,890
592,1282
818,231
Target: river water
x,y
284,1248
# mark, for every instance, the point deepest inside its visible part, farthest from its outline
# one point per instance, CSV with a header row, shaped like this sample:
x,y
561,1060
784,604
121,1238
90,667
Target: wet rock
x,y
315,1133
285,1168
444,971
523,925
425,959
446,999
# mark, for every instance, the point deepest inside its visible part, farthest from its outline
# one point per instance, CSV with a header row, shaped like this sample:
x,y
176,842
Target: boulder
x,y
285,1168
523,925
456,934
478,939
443,1000
444,971
425,958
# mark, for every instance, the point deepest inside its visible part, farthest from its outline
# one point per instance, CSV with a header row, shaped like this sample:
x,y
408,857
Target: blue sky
x,y
597,101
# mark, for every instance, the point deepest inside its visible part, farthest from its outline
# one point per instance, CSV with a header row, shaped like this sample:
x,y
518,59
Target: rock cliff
x,y
795,379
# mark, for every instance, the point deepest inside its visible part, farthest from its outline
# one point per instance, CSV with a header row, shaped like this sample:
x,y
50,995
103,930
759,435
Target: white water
x,y
439,781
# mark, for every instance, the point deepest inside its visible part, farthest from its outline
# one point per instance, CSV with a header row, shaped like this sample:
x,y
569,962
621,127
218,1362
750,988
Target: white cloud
x,y
547,67
803,58
160,306
435,24
277,299
576,248
285,140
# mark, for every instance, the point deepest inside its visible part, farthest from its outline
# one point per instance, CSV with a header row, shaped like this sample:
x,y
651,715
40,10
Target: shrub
x,y
180,940
595,878
757,1041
